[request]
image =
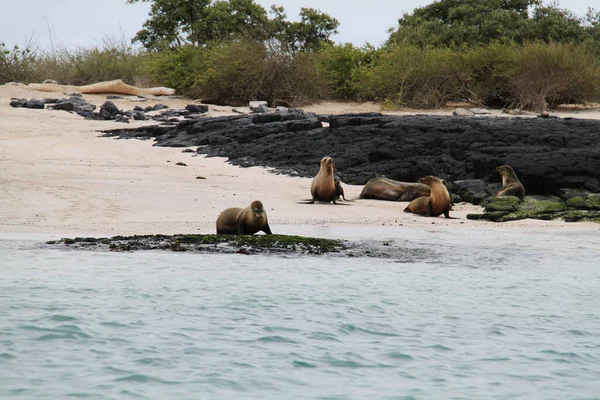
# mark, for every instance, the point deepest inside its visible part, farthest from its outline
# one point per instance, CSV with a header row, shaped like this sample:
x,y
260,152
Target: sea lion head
x,y
430,180
505,170
327,162
257,207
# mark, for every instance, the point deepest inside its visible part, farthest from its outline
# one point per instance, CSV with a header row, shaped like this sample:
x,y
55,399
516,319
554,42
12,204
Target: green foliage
x,y
241,71
179,69
340,63
114,59
546,75
174,23
16,64
407,76
459,23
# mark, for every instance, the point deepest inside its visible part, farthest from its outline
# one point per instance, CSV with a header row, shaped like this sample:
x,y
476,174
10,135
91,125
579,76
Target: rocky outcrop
x,y
109,111
548,154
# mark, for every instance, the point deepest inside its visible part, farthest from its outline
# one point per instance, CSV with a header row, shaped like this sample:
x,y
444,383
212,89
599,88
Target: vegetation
x,y
245,244
175,23
545,208
500,53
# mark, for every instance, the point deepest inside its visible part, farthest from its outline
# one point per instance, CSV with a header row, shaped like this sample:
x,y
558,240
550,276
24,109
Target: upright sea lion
x,y
243,221
511,186
389,189
323,186
437,203
339,190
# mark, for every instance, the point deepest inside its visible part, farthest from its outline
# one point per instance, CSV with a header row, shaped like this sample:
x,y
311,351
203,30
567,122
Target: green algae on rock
x,y
246,244
537,207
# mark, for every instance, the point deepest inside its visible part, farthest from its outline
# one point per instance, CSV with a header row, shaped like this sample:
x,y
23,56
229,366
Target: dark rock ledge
x,y
245,244
553,157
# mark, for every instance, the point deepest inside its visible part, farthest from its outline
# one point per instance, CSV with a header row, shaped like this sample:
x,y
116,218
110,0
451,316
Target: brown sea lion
x,y
280,103
389,189
437,203
339,190
323,186
243,221
511,186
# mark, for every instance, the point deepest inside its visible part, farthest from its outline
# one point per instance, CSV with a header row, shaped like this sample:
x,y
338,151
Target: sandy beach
x,y
58,175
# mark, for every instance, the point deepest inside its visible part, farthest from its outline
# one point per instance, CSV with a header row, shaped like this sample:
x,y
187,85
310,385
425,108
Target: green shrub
x,y
178,69
114,59
548,74
238,72
407,76
16,64
340,63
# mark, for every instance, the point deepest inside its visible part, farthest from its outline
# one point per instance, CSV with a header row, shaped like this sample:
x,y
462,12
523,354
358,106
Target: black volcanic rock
x,y
548,154
197,108
109,110
36,103
18,103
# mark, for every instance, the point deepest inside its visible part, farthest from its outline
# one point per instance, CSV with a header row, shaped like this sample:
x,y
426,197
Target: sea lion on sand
x,y
323,186
437,203
389,189
339,190
511,186
243,221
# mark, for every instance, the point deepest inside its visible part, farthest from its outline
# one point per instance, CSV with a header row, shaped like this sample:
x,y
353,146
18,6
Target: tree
x,y
480,22
173,23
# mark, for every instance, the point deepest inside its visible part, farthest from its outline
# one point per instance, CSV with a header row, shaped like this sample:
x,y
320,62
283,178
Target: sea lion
x,y
511,186
280,103
243,221
437,203
323,186
389,189
339,190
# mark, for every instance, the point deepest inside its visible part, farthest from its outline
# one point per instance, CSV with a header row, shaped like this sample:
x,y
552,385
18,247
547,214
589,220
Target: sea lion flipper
x,y
267,229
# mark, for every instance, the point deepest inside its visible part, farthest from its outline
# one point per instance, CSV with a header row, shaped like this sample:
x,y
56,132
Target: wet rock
x,y
473,190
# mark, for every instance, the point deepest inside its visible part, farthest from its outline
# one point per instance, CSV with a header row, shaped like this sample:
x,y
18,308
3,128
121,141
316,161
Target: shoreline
x,y
58,176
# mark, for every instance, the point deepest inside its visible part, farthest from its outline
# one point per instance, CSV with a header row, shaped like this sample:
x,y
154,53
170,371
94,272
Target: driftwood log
x,y
116,86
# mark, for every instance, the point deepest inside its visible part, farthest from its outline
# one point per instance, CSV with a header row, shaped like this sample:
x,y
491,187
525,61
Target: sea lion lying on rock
x,y
389,189
437,203
511,186
243,221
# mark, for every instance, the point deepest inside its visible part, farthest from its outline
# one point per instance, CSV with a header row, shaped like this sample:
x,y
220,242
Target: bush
x,y
178,69
115,59
16,64
407,76
238,72
340,63
546,75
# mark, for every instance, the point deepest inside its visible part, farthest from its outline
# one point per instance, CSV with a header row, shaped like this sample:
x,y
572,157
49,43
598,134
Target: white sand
x,y
58,176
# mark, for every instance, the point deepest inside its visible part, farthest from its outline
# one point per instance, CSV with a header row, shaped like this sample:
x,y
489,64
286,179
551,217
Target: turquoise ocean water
x,y
472,314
